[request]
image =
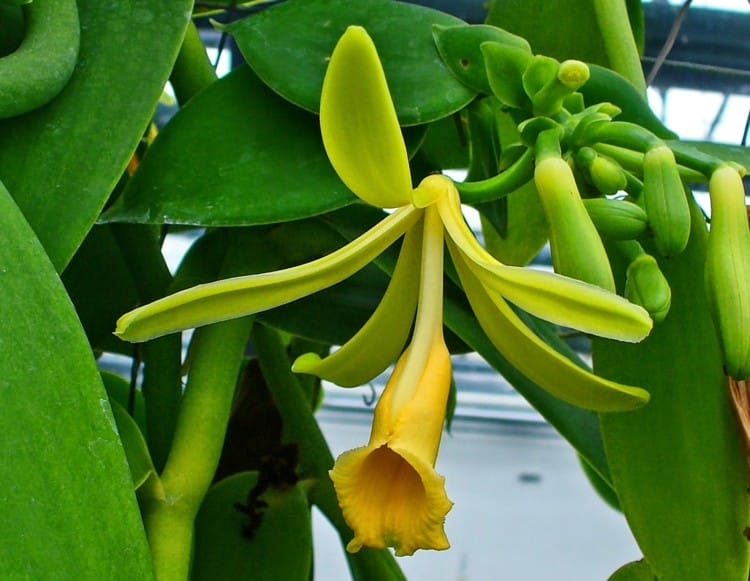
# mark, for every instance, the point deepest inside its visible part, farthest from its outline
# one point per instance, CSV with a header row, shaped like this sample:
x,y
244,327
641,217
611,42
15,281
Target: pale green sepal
x,y
535,359
559,299
245,295
358,123
380,341
568,302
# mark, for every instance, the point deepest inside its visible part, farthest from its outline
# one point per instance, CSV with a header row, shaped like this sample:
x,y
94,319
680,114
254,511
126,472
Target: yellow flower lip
x,y
389,491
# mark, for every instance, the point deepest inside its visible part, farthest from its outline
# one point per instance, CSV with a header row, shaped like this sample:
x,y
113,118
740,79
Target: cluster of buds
x,y
609,183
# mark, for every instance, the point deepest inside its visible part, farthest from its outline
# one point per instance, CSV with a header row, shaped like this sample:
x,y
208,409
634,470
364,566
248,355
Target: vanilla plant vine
x,y
389,491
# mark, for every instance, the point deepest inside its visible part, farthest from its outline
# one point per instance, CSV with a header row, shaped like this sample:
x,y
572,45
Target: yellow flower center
x,y
430,190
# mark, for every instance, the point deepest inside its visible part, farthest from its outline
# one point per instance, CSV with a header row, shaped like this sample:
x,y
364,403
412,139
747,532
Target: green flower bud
x,y
665,201
645,285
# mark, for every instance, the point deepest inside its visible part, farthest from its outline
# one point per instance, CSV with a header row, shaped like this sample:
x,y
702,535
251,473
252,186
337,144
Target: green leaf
x,y
676,464
637,23
445,145
563,30
11,27
460,48
635,571
136,450
118,390
99,284
288,46
280,548
67,497
260,160
606,86
61,162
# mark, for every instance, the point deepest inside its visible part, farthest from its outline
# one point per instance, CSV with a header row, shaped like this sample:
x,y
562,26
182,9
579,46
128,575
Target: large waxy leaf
x,y
558,29
99,284
288,46
260,160
67,500
280,547
61,162
676,464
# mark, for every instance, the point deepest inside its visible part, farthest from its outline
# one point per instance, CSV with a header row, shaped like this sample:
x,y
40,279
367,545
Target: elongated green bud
x,y
645,284
665,202
577,249
728,270
617,219
606,175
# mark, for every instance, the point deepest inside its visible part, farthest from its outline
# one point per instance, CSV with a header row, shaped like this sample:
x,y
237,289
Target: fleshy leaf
x,y
290,54
82,141
136,450
260,161
359,125
67,497
380,341
460,48
678,464
537,360
245,295
280,548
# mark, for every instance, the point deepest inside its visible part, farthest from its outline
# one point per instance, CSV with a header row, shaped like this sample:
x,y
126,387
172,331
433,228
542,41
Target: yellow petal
x,y
359,126
380,341
559,299
534,358
245,295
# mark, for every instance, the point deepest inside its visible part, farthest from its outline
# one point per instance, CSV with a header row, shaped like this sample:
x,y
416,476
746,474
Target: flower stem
x,y
199,437
192,70
619,43
300,426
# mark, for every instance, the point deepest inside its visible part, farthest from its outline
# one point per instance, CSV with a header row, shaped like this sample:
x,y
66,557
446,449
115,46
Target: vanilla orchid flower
x,y
389,491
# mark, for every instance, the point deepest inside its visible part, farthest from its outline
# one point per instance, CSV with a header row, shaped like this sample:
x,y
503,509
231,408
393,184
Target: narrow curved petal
x,y
551,296
358,122
537,360
380,341
245,295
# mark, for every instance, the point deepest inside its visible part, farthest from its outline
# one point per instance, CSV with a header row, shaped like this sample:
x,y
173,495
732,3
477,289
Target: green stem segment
x,y
504,183
619,42
315,456
162,388
197,446
192,70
